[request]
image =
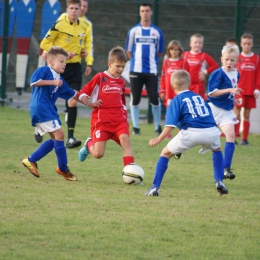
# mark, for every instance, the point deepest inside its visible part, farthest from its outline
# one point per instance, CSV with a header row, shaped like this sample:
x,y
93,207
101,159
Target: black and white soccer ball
x,y
133,174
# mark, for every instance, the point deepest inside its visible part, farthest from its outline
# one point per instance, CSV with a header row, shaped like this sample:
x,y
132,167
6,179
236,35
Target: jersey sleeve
x,y
214,82
161,42
90,87
212,64
172,113
162,86
50,36
88,45
38,75
258,74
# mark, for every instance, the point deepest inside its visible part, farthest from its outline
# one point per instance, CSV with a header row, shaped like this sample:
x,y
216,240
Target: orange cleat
x,y
67,175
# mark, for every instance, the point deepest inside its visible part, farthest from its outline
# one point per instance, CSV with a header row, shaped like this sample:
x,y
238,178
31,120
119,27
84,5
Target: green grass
x,y
99,217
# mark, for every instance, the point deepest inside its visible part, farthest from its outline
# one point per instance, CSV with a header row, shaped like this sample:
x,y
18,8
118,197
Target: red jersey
x,y
111,90
199,62
168,67
249,69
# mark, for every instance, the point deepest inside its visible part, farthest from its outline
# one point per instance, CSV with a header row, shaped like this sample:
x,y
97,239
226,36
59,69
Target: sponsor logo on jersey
x,y
193,62
145,40
111,89
171,70
247,66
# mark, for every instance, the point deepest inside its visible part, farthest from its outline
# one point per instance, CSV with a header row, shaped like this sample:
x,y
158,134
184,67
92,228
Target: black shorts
x,y
73,75
138,80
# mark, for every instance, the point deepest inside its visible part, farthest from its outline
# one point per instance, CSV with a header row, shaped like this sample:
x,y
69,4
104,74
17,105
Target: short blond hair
x,y
230,48
117,54
197,35
180,80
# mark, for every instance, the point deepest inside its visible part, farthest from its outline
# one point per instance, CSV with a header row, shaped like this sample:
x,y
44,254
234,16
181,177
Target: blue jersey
x,y
220,79
42,106
144,43
188,109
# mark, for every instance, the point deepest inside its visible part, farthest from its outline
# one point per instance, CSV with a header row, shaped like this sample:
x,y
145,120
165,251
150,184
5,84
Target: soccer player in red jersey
x,y
173,62
249,68
200,64
109,120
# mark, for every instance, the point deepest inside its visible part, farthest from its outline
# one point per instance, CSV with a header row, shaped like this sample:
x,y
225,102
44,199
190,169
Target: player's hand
x,y
44,56
236,91
96,103
162,96
154,142
88,70
58,82
202,76
70,55
84,100
83,53
256,95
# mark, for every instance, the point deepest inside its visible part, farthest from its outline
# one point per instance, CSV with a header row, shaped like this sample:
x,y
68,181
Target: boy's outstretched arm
x,y
167,130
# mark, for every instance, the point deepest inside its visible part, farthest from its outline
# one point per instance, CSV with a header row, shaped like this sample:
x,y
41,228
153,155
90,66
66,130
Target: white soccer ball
x,y
133,174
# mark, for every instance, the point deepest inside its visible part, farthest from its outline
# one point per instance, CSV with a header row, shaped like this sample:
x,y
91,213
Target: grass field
x,y
99,217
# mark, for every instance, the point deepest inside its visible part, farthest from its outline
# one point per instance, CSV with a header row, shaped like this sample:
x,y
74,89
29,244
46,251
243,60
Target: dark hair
x,y
73,2
117,54
147,4
232,39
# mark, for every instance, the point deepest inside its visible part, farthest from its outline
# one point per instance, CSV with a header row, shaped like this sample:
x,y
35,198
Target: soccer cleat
x,y
72,143
158,131
67,174
228,174
83,152
245,142
136,131
31,166
221,188
38,138
153,191
177,156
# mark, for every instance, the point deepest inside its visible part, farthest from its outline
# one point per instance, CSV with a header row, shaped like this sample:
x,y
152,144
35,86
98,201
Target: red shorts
x,y
246,101
105,131
198,88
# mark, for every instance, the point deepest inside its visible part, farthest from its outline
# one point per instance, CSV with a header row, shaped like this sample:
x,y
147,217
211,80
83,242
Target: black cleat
x,y
245,142
136,131
228,174
221,188
38,138
72,143
158,131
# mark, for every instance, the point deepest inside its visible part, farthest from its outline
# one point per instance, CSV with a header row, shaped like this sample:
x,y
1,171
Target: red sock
x,y
237,127
128,159
89,144
246,126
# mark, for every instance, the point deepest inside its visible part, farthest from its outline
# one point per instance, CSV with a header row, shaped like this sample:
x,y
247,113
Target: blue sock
x,y
43,150
160,170
61,154
228,155
135,115
156,110
217,159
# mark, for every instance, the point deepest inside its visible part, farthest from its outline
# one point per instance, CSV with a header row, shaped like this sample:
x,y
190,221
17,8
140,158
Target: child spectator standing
x,y
193,116
47,86
222,87
109,120
200,63
173,61
231,41
249,68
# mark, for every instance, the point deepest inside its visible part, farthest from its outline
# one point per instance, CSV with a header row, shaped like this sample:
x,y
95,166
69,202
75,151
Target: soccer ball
x,y
133,174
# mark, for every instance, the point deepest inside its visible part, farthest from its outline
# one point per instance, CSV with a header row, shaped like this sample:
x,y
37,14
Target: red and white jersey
x,y
249,69
168,67
111,91
199,62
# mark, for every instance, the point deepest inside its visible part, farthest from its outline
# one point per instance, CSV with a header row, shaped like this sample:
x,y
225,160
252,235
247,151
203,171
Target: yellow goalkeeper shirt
x,y
72,37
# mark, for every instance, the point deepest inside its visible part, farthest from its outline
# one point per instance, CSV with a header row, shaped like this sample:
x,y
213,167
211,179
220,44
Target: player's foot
x,y
83,152
158,131
177,156
221,188
245,142
153,191
67,174
37,136
228,174
31,166
72,143
136,131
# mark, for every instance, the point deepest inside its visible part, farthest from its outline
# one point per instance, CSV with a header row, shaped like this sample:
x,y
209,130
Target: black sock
x,y
72,116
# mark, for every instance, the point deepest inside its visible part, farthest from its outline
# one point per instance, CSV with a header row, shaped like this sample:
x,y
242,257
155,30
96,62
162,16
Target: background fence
x,y
215,20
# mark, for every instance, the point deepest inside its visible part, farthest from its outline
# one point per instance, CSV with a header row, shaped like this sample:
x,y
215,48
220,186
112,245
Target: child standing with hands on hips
x,y
109,119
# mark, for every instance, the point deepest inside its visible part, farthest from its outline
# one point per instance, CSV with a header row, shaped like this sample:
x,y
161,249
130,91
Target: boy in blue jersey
x,y
47,86
144,43
222,87
192,115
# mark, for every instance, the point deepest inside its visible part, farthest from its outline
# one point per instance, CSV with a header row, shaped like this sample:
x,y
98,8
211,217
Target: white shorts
x,y
47,127
208,138
222,116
